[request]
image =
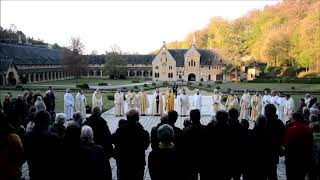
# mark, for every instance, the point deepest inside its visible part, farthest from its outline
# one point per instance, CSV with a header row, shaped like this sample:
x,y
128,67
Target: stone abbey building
x,y
27,63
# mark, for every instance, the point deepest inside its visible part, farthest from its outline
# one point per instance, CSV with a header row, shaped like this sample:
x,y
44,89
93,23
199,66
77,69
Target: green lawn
x,y
59,98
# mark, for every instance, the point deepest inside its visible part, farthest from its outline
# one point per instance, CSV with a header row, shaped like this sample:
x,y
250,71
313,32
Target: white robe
x,y
68,105
184,105
288,110
245,106
307,101
216,99
131,99
80,105
155,110
280,107
97,101
119,104
265,101
197,102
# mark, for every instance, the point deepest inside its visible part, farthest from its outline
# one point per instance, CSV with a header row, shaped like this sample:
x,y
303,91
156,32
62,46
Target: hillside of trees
x,y
283,35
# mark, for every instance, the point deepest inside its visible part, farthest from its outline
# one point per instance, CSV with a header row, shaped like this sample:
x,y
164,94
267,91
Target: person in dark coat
x,y
7,105
217,149
299,147
102,134
50,100
239,141
94,165
131,142
164,162
58,127
258,147
193,145
275,130
154,131
42,149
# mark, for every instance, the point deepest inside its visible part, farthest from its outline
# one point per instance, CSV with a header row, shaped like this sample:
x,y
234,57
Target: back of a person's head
x,y
270,111
122,122
72,135
86,134
41,120
77,117
313,118
221,117
305,110
165,133
195,116
186,123
96,111
60,118
245,123
233,114
298,117
164,118
133,116
261,121
172,117
33,109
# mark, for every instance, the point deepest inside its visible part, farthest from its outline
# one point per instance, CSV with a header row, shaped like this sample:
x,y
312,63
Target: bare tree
x,y
76,45
115,64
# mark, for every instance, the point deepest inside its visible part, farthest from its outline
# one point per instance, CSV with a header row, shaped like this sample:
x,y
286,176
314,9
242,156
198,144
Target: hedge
x,y
285,80
135,81
83,86
103,84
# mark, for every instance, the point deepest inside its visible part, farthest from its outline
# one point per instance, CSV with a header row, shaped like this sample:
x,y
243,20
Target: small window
x,y
194,63
157,67
209,67
189,63
168,75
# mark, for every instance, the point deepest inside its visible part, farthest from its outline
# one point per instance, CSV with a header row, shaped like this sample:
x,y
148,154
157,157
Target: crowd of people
x,y
71,146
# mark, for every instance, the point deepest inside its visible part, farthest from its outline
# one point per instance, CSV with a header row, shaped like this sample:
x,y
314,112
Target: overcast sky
x,y
138,26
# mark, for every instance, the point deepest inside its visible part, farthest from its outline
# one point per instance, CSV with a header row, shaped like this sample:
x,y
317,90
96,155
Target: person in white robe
x,y
119,103
68,104
97,99
157,103
80,104
232,101
256,106
131,99
307,99
245,102
280,101
197,100
184,103
265,100
216,101
288,109
143,102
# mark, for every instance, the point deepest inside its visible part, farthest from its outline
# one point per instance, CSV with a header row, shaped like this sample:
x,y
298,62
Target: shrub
x,y
189,83
135,87
154,84
145,85
218,87
110,97
208,85
135,81
124,89
103,84
83,86
224,98
200,84
165,83
19,87
267,89
23,80
293,88
218,82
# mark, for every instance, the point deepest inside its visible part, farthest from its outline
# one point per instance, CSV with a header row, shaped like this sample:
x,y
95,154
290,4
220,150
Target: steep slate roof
x,y
4,64
29,54
131,59
207,57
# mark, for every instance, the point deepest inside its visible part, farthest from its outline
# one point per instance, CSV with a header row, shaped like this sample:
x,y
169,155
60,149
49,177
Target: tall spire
x,y
194,39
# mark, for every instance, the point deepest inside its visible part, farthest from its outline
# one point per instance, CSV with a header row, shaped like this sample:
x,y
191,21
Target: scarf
x,y
166,146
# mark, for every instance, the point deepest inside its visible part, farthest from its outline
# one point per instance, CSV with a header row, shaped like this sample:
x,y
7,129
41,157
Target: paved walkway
x,y
149,121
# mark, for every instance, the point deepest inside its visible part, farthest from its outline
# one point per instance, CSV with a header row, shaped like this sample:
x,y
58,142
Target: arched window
x,y
168,75
191,62
194,63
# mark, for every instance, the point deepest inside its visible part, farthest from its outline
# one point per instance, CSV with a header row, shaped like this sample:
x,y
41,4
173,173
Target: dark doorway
x,y
219,77
191,77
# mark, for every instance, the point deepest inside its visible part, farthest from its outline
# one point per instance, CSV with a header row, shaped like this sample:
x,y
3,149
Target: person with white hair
x,y
58,126
97,98
245,103
118,103
94,164
184,103
197,100
68,104
77,119
80,103
40,104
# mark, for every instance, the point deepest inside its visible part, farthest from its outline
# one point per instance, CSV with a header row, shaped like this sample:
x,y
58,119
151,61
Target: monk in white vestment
x,y
197,100
184,103
157,103
265,100
131,99
245,102
281,100
143,102
118,103
288,109
307,99
68,104
80,104
232,101
256,106
97,99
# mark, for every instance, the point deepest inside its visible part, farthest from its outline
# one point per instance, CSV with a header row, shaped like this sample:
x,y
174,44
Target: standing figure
x,y
169,101
256,106
197,102
175,89
216,98
288,109
157,103
143,102
80,104
184,103
118,102
49,100
131,99
265,100
97,99
245,106
232,101
307,99
68,104
281,100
